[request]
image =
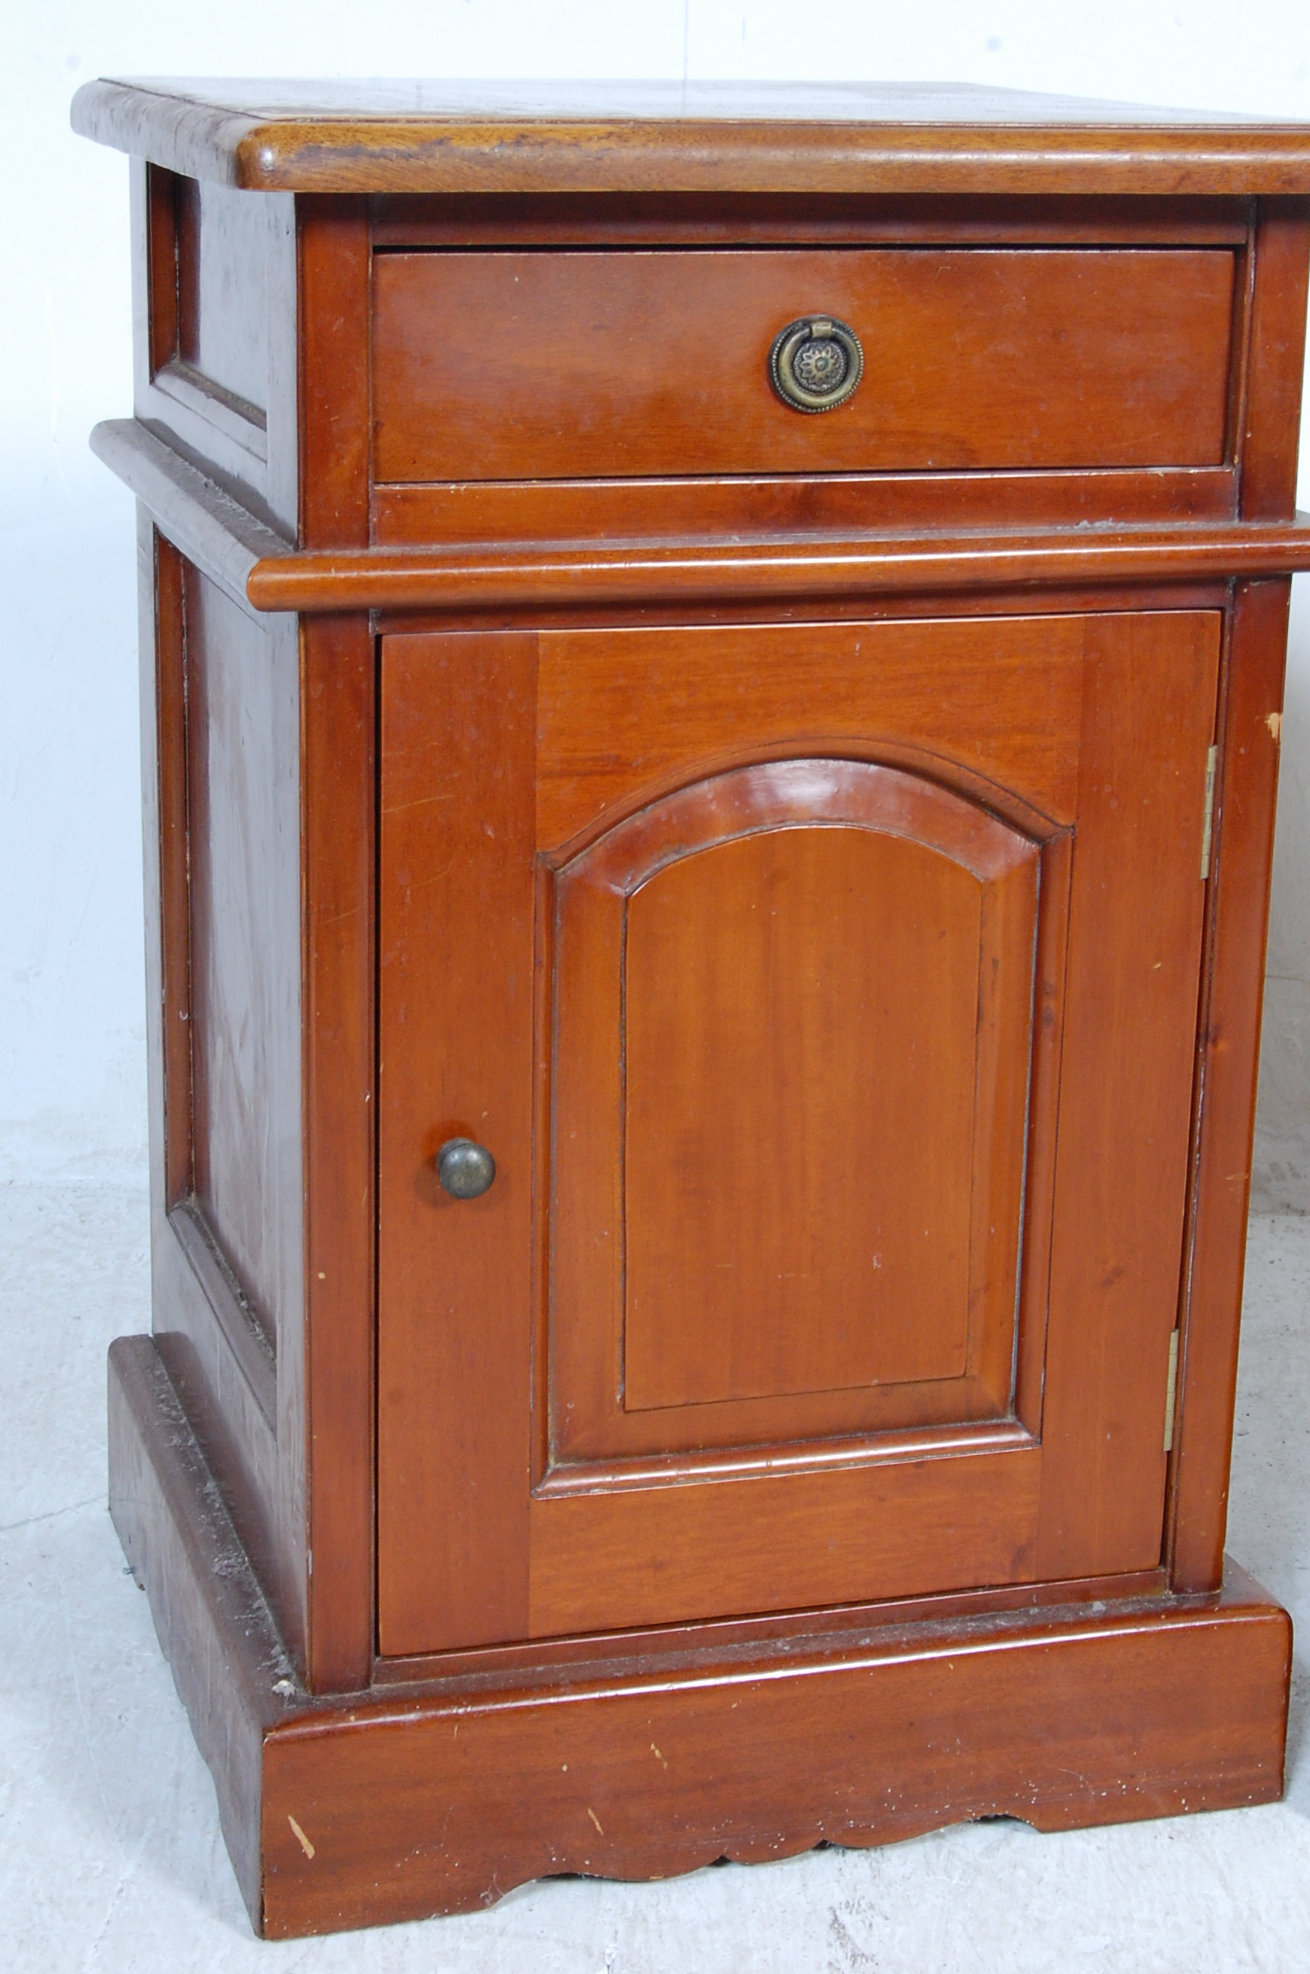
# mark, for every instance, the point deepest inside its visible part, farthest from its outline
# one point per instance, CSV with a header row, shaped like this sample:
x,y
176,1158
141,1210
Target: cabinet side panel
x,y
215,312
168,944
244,827
163,831
222,1370
230,281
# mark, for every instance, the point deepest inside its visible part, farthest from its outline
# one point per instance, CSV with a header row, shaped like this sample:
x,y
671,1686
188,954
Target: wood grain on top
x,y
410,136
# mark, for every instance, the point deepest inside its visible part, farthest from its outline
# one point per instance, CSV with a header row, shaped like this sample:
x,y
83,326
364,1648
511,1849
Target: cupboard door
x,y
827,996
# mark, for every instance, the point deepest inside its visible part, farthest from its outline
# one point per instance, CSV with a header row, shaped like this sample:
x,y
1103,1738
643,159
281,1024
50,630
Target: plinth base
x,y
361,1808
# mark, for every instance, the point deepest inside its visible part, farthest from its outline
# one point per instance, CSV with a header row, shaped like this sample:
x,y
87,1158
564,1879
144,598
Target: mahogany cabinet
x,y
712,681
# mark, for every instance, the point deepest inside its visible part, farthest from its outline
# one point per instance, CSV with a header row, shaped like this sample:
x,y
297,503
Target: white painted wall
x,y
71,1019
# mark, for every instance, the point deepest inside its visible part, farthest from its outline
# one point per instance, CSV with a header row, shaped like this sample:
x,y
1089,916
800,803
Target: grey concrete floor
x,y
109,1852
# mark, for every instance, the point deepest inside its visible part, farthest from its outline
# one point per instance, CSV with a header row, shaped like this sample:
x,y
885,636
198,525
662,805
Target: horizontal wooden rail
x,y
256,565
201,519
568,576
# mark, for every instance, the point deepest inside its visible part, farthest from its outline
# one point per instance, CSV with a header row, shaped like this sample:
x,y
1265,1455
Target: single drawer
x,y
626,364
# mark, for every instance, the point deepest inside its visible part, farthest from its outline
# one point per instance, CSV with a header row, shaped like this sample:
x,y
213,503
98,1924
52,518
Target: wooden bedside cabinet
x,y
712,700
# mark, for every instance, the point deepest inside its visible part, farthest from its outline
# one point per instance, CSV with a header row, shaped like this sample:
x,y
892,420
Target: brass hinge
x,y
1171,1394
1207,827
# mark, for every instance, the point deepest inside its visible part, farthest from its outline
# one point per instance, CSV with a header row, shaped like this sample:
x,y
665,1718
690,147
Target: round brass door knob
x,y
816,363
465,1169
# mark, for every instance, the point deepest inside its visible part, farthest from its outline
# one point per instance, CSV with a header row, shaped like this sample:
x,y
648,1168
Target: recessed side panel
x,y
805,1053
243,887
216,358
220,744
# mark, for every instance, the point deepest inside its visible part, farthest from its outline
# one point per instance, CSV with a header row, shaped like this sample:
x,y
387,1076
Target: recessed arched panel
x,y
793,1024
798,1129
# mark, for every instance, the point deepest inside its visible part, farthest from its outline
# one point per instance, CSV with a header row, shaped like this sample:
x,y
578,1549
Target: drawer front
x,y
614,364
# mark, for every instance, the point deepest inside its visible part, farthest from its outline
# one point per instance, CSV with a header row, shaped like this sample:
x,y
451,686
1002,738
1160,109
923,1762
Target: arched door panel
x,y
803,1044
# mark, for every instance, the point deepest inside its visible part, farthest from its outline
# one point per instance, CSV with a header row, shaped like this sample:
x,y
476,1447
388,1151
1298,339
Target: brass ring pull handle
x,y
816,363
464,1168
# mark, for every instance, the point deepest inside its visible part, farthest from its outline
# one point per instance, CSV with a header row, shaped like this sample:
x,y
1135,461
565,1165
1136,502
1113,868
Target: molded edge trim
x,y
380,1806
201,519
481,149
232,1673
572,576
247,1335
261,570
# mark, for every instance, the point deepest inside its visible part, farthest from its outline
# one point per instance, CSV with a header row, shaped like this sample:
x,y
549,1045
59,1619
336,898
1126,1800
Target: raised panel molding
x,y
832,955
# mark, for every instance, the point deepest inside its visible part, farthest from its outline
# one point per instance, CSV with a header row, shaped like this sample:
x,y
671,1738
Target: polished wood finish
x,y
779,841
220,327
562,365
167,793
208,1605
339,962
333,306
251,562
464,1069
721,138
489,219
751,505
226,1278
420,1800
243,949
1250,739
469,578
1102,726
902,898
785,1085
773,1759
1275,360
220,536
216,362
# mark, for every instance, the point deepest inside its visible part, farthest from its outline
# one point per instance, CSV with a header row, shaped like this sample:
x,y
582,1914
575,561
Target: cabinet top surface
x,y
450,136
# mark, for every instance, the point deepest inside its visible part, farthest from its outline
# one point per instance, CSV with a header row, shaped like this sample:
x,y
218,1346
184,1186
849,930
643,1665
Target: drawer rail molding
x,y
262,570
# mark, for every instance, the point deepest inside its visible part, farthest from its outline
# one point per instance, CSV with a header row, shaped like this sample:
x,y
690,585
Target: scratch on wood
x,y
300,1837
595,1819
658,1756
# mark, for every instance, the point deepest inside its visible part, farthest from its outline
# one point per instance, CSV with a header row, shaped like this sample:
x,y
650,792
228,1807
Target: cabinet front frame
x,y
484,1594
